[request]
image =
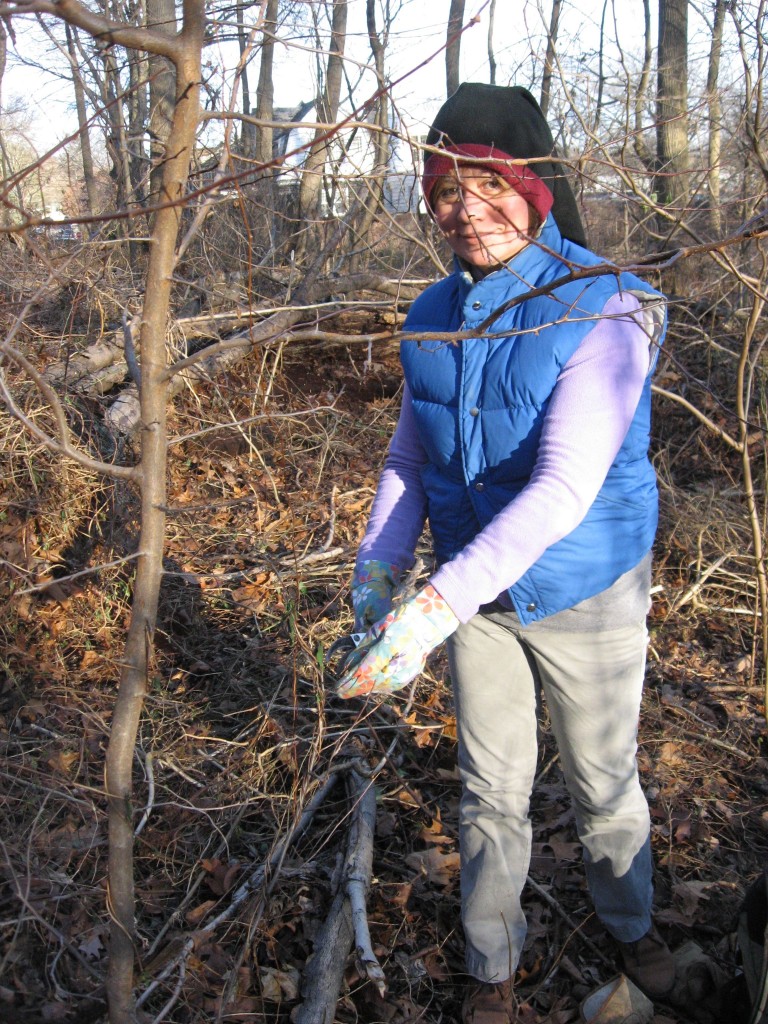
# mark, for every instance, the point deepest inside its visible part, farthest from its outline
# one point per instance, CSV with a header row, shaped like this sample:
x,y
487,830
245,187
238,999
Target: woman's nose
x,y
470,204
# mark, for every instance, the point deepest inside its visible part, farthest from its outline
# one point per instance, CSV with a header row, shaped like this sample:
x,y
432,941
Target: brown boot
x,y
488,1003
649,963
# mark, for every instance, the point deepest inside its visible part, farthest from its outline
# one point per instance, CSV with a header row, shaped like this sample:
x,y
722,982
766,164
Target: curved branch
x,y
708,423
756,228
101,28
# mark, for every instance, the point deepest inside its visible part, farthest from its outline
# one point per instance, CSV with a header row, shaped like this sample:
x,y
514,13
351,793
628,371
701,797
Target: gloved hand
x,y
398,645
372,587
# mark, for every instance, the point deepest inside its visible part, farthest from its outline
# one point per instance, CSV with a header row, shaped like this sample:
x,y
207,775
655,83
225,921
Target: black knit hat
x,y
509,119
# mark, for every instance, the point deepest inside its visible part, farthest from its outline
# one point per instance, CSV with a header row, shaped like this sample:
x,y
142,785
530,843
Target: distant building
x,y
348,167
350,163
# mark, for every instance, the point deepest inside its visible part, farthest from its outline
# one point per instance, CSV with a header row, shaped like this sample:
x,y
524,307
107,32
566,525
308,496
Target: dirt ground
x,y
241,727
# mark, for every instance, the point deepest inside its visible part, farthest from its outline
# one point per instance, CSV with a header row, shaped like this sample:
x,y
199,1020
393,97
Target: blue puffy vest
x,y
480,404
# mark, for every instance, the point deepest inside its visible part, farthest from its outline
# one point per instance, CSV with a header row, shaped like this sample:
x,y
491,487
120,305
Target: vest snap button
x,y
530,607
476,305
474,411
480,487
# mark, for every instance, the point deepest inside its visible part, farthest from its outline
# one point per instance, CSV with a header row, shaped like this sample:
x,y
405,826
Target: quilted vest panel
x,y
480,406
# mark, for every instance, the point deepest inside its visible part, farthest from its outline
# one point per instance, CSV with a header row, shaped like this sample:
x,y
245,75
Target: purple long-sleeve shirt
x,y
589,413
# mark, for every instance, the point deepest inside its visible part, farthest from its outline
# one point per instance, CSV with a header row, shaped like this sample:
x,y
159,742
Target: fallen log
x,y
102,366
93,371
347,920
323,975
125,415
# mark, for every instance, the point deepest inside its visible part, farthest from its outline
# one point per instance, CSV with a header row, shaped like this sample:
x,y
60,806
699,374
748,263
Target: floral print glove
x,y
398,645
373,585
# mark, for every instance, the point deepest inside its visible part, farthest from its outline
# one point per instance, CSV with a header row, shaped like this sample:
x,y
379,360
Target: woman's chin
x,y
485,257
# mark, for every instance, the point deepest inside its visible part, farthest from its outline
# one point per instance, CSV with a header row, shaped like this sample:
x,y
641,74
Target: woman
x,y
526,447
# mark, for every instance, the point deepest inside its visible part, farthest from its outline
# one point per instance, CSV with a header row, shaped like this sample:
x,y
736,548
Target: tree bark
x,y
323,975
4,164
373,183
327,108
672,154
347,920
161,16
642,149
3,54
137,107
117,145
600,71
248,130
266,90
549,60
453,47
82,120
491,52
715,115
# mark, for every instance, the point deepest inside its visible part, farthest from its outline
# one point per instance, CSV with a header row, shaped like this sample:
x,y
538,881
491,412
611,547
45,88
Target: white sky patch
x,y
418,32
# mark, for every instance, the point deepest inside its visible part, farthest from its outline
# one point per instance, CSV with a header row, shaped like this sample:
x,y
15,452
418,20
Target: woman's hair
x,y
534,220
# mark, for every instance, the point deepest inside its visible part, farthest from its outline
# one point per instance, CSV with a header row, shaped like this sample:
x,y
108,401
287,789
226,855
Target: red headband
x,y
520,176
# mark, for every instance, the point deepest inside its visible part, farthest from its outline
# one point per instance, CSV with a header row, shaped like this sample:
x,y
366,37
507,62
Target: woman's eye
x,y
448,194
492,186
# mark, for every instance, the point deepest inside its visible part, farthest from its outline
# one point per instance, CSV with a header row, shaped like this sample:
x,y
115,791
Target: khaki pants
x,y
592,683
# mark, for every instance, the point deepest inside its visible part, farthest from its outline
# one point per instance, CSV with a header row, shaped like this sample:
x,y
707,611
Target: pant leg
x,y
495,697
593,685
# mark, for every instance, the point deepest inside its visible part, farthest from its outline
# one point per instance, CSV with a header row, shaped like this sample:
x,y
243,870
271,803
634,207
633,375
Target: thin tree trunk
x,y
549,60
374,183
755,73
744,385
101,94
672,113
3,54
642,149
600,70
82,121
265,96
248,131
137,105
135,112
161,16
715,114
327,108
491,53
5,217
117,144
453,47
133,680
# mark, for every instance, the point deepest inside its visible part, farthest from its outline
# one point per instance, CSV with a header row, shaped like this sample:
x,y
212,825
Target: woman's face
x,y
481,216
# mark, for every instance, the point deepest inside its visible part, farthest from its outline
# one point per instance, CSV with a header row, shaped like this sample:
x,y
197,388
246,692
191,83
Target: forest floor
x,y
241,727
